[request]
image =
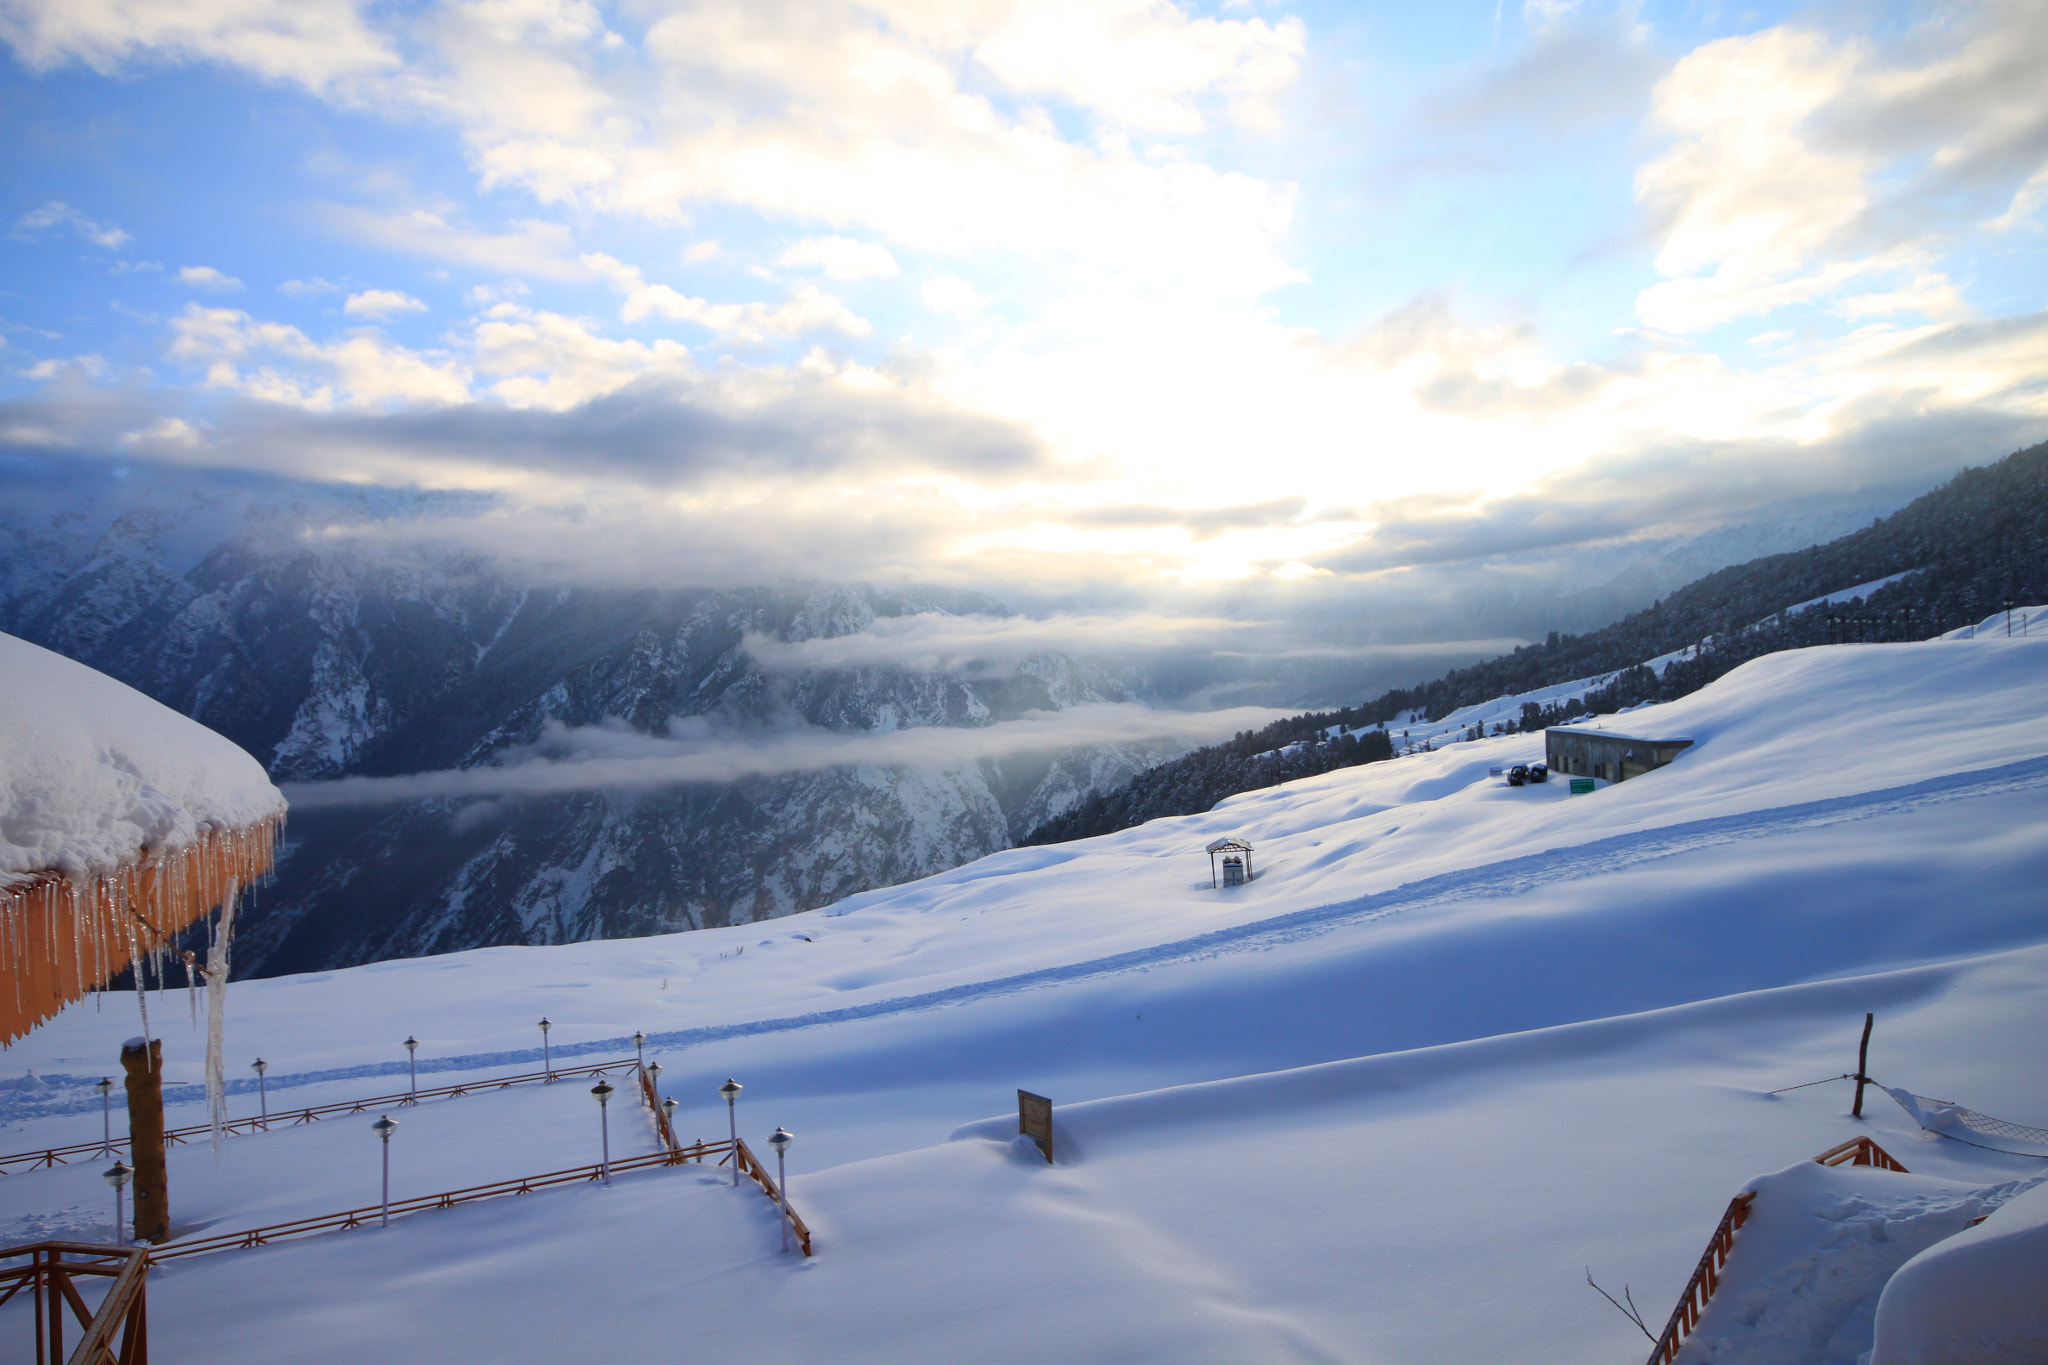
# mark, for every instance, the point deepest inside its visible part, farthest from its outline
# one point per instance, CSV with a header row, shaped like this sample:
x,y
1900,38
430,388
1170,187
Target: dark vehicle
x,y
1539,772
1528,772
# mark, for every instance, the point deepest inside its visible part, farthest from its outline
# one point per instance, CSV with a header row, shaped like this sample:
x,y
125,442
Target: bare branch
x,y
1632,1313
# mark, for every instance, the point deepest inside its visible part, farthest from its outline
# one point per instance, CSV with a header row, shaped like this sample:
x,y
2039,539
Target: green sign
x,y
1582,786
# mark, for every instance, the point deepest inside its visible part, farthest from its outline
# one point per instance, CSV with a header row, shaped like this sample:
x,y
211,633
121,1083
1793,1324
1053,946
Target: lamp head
x,y
105,1083
654,1070
383,1127
411,1043
669,1106
546,1023
117,1174
603,1091
731,1089
639,1038
260,1066
780,1140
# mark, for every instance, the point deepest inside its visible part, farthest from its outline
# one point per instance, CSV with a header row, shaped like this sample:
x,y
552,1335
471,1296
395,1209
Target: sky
x,y
1087,304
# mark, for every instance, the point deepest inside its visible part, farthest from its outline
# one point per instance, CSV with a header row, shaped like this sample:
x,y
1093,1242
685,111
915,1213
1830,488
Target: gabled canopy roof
x,y
1229,845
121,823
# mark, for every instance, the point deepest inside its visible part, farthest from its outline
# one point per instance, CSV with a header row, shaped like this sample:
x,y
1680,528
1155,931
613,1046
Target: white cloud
x,y
1145,63
826,115
545,360
381,303
951,294
842,258
1804,168
56,213
306,289
206,277
534,247
808,309
936,641
90,366
315,43
281,364
696,253
614,757
173,432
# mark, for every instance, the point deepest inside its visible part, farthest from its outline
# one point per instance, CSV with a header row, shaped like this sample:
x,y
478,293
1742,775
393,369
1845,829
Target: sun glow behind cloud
x,y
990,291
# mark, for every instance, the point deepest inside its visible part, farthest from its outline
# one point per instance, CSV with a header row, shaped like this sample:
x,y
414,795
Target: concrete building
x,y
1583,752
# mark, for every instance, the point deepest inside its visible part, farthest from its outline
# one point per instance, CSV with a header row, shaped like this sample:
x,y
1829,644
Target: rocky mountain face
x,y
327,659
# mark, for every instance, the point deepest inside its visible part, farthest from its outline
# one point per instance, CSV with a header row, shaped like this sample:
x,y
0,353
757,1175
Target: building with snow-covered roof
x,y
1586,751
122,824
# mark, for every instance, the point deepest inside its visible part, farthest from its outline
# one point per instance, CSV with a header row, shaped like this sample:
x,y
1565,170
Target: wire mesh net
x,y
1946,1116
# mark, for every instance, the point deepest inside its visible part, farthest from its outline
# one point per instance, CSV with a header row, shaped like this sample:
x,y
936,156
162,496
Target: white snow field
x,y
1456,1044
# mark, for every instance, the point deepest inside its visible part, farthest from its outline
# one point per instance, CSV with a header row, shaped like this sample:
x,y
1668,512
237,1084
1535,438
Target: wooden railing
x,y
285,1118
1706,1276
752,1167
371,1213
652,1099
117,1333
672,1153
1861,1151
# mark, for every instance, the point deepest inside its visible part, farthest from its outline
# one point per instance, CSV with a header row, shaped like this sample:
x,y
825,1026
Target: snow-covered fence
x,y
370,1215
1706,1276
1860,1151
672,1153
286,1118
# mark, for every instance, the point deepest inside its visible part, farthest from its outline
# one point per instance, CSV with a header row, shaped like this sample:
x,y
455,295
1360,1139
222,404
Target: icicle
x,y
141,991
216,1016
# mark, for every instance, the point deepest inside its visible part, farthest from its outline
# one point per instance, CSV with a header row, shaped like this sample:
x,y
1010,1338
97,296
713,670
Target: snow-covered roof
x,y
94,775
1602,732
1230,845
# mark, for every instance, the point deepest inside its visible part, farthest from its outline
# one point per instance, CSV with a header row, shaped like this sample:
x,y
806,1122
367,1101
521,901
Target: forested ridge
x,y
1978,542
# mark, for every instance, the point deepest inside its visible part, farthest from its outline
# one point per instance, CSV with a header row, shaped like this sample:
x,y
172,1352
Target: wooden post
x,y
1862,1065
1034,1119
143,1060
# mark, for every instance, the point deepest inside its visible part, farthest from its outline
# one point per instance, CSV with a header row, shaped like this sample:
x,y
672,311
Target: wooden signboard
x,y
1034,1119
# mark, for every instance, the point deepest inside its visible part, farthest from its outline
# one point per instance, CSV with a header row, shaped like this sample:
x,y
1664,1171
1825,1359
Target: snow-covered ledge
x,y
122,823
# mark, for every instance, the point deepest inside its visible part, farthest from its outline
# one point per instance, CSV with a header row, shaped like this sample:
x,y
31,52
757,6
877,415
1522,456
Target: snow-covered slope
x,y
1455,1044
328,655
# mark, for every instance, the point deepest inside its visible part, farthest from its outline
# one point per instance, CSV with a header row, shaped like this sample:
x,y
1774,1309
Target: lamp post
x,y
105,1085
383,1128
668,1117
639,1047
654,1078
731,1090
780,1140
262,1090
547,1058
117,1176
412,1067
603,1091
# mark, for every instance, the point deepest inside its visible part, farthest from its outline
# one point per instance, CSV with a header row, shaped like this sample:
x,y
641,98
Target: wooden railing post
x,y
1862,1065
143,1061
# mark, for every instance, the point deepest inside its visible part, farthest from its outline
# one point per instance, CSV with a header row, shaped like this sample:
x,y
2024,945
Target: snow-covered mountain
x,y
333,656
1456,1044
